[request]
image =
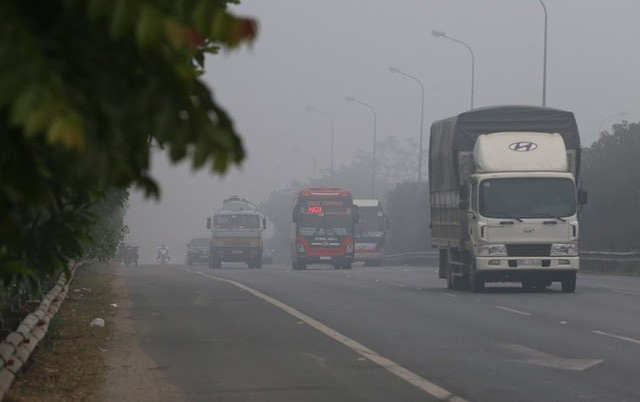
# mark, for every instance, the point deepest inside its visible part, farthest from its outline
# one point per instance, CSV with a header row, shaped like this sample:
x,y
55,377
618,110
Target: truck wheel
x,y
214,262
450,278
443,271
527,286
476,282
189,261
298,266
569,283
346,265
259,264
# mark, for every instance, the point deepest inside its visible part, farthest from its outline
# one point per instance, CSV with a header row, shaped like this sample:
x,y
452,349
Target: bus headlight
x,y
300,248
350,248
493,250
564,249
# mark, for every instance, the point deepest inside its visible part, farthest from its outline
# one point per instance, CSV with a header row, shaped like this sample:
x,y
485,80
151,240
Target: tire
x,y
442,266
476,282
527,286
258,264
299,266
346,265
451,280
189,261
214,263
569,283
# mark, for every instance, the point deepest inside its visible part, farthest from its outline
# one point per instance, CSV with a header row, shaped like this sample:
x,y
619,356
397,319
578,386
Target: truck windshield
x,y
371,223
237,222
334,221
527,197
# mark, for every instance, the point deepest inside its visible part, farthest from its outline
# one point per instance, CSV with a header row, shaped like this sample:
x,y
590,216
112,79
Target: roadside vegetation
x,y
69,364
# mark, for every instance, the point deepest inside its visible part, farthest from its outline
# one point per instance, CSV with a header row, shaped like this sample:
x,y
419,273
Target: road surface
x,y
383,334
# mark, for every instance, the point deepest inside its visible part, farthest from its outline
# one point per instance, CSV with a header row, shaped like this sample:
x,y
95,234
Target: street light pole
x,y
314,110
395,70
544,61
373,161
440,34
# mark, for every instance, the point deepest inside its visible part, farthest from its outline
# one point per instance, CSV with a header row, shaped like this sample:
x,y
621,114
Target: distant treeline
x,y
611,174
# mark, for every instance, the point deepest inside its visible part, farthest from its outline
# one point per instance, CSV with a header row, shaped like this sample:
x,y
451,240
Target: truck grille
x,y
528,250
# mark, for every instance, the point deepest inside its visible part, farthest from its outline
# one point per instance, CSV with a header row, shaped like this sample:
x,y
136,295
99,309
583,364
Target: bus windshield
x,y
372,223
325,221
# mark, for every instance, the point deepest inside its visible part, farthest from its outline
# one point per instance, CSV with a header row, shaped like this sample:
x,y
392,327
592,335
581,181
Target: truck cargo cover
x,y
459,133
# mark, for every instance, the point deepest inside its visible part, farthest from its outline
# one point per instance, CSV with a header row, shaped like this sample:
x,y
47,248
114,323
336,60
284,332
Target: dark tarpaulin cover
x,y
459,133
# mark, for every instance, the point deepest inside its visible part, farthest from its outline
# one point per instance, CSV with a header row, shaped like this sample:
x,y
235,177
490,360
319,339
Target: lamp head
x,y
394,70
350,99
438,34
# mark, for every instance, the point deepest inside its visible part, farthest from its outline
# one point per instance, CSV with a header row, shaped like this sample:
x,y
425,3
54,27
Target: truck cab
x,y
505,197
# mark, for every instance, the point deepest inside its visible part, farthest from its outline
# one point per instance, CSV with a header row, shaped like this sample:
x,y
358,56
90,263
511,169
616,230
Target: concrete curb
x,y
18,345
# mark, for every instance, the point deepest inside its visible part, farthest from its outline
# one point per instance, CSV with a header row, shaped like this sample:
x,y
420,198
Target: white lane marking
x,y
543,359
623,338
450,294
512,310
398,284
423,384
627,292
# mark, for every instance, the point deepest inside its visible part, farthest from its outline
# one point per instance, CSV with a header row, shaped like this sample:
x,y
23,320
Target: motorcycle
x,y
163,255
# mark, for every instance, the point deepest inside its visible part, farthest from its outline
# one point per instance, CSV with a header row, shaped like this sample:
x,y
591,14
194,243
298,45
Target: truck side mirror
x,y
583,197
264,223
463,205
208,223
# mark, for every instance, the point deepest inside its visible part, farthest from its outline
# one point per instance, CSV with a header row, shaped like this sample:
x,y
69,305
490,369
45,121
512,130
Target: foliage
x,y
408,210
85,87
611,174
109,230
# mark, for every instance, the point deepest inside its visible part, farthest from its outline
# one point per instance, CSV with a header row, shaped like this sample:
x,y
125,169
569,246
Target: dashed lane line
x,y
513,310
405,374
622,338
450,294
400,285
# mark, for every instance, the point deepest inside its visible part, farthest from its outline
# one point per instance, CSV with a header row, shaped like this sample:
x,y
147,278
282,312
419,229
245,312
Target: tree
x,y
86,86
611,173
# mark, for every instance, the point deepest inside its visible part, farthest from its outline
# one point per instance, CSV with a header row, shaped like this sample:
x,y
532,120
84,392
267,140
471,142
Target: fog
x,y
314,53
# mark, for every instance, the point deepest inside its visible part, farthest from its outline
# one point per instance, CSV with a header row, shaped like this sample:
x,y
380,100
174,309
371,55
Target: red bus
x,y
324,223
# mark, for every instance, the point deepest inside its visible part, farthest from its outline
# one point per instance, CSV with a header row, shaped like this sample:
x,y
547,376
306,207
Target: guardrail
x,y
610,261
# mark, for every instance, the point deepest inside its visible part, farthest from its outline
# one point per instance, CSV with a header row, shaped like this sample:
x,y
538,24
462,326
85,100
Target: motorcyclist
x,y
163,252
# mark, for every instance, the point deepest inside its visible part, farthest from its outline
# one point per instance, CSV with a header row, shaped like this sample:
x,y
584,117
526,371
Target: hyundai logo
x,y
523,146
528,230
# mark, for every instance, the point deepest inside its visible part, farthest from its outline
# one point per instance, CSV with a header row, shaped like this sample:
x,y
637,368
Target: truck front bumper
x,y
237,254
528,263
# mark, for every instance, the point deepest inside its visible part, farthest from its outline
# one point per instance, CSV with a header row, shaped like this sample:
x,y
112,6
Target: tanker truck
x,y
236,233
505,197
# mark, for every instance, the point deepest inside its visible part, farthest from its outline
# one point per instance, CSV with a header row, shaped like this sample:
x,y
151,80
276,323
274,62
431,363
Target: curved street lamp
x,y
395,70
351,99
314,110
440,34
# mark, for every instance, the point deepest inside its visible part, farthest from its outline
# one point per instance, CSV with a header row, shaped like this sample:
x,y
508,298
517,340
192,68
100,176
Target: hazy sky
x,y
314,53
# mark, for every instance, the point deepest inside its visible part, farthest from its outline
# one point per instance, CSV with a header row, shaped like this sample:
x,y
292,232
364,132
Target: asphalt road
x,y
384,334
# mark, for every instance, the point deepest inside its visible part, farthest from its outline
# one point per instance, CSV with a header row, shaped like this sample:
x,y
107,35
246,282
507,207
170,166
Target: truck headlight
x,y
564,249
493,250
300,248
350,248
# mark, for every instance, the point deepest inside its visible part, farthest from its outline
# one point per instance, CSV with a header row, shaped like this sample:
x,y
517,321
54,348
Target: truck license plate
x,y
324,257
530,261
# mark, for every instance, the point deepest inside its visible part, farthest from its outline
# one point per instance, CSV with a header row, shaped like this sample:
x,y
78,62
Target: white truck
x,y
236,233
504,197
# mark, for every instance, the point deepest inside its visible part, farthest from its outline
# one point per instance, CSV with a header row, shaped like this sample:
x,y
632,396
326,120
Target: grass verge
x,y
69,365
